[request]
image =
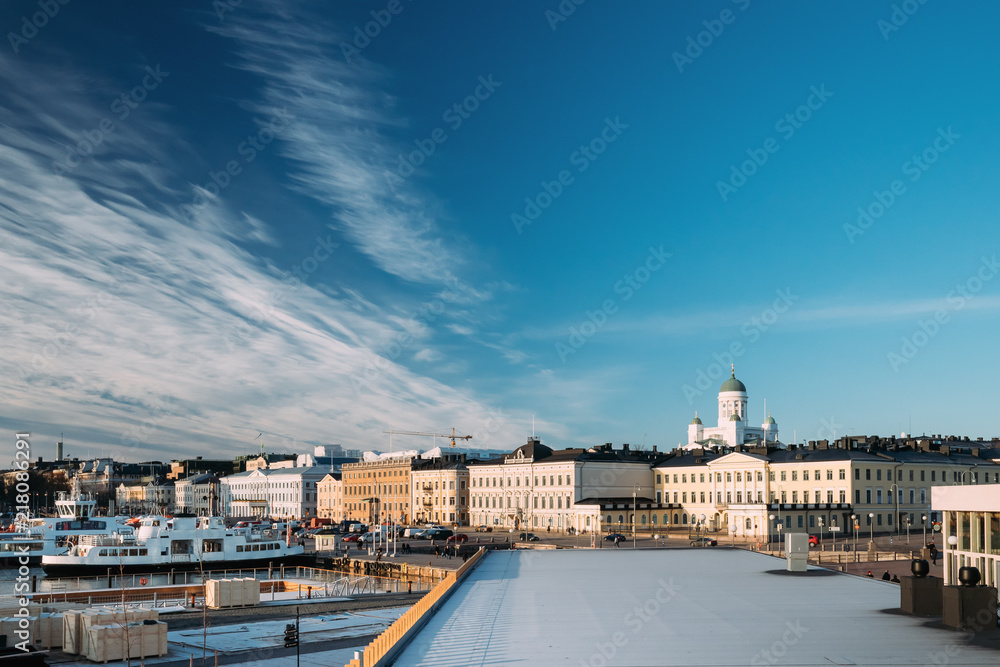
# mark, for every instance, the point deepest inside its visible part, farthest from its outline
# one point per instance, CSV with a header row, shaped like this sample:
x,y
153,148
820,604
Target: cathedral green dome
x,y
734,418
770,419
732,384
696,420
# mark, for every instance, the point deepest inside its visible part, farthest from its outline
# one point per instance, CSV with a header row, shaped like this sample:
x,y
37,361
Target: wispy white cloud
x,y
144,334
338,141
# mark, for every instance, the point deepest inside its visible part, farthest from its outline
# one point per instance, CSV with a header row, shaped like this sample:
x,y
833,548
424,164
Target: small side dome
x,y
770,419
696,420
735,418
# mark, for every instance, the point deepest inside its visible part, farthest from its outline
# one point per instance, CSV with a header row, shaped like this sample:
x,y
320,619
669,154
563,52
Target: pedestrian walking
x,y
885,576
617,540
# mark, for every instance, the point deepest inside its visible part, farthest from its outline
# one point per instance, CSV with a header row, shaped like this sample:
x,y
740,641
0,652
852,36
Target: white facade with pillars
x,y
971,516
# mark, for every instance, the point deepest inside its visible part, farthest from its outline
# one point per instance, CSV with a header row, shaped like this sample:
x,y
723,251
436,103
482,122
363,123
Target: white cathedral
x,y
733,428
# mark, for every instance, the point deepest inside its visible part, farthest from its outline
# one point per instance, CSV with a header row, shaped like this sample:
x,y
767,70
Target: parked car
x,y
459,538
813,541
528,537
353,537
415,533
610,537
704,542
483,528
437,534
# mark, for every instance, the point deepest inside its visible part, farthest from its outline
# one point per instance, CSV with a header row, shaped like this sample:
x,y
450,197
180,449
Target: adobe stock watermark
x,y
31,25
454,116
223,7
22,509
581,158
635,620
627,286
363,35
140,434
900,14
956,299
562,12
299,273
247,151
751,330
777,651
915,167
427,314
54,346
786,126
122,107
696,44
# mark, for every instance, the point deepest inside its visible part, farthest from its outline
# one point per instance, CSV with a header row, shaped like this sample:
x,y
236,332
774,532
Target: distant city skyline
x,y
219,220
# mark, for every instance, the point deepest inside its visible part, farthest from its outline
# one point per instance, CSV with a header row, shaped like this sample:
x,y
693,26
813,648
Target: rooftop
x,y
676,607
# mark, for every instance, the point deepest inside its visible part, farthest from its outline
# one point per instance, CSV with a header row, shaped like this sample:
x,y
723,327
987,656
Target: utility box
x,y
796,552
920,596
969,607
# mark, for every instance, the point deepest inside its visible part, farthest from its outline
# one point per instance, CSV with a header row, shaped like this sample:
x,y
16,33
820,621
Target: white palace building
x,y
733,428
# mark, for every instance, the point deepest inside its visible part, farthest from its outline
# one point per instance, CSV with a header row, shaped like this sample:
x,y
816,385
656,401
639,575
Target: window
x,y
805,476
857,473
795,496
878,475
782,475
771,475
857,496
657,478
729,476
760,476
868,473
868,496
843,495
812,521
659,498
684,478
729,496
702,477
800,521
829,474
684,497
829,495
739,496
795,475
739,477
816,496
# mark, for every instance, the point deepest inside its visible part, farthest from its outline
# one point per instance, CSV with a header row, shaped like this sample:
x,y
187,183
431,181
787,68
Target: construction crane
x,y
453,437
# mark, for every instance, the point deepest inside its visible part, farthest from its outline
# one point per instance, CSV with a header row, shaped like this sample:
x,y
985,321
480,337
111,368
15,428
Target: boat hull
x,y
82,569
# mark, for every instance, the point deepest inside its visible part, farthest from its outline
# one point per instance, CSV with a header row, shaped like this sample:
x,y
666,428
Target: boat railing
x,y
107,540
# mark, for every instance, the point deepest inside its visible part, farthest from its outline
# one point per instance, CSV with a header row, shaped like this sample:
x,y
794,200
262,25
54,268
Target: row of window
x,y
542,480
122,552
554,502
267,546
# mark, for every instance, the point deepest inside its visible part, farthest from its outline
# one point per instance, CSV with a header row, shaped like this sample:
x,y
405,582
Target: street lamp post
x,y
907,530
635,511
821,533
871,526
854,530
780,545
923,520
770,521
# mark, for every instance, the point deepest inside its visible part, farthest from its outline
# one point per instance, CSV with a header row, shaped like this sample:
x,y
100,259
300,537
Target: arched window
x,y
652,519
684,519
621,518
675,518
608,520
642,519
749,525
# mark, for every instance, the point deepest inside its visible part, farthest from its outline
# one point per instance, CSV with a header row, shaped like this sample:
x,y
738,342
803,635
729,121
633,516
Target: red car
x,y
458,538
353,537
813,541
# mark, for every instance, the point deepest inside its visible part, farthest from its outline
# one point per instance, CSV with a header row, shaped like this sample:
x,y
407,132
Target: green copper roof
x,y
696,419
770,419
735,418
732,384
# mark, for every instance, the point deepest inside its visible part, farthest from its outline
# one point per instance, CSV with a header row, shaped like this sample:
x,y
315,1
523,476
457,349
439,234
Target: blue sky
x,y
221,219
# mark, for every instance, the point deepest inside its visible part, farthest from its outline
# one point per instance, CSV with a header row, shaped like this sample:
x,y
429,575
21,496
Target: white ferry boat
x,y
41,536
178,543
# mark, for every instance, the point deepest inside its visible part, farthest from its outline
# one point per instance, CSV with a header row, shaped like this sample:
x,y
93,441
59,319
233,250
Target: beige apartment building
x,y
330,497
378,489
842,491
440,491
